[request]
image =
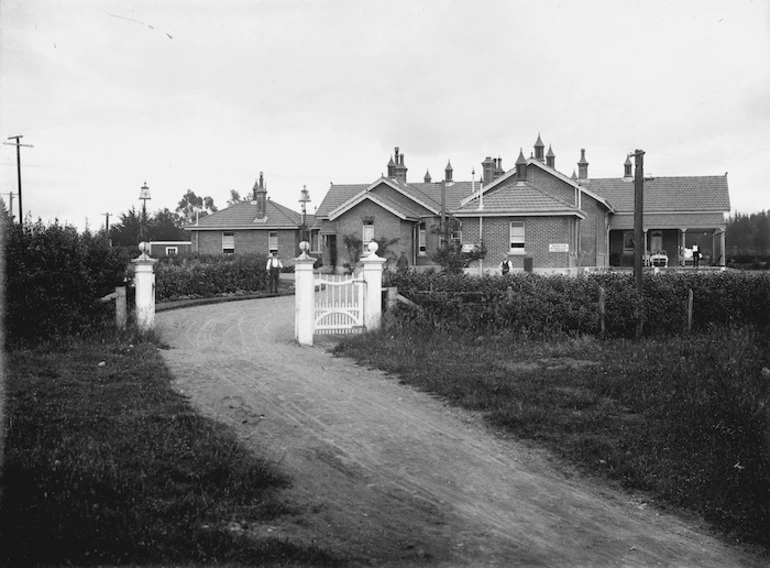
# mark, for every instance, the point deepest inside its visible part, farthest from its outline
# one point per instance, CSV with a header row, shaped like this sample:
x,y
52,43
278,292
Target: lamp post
x,y
304,199
144,195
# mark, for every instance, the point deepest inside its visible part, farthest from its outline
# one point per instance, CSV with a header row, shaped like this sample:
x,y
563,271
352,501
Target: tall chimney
x,y
488,170
400,169
260,195
499,167
391,168
582,165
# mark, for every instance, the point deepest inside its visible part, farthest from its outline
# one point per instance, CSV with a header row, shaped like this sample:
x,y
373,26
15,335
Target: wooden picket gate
x,y
339,304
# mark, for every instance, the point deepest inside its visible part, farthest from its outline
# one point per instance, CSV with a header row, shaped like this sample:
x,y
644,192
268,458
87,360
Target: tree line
x,y
748,234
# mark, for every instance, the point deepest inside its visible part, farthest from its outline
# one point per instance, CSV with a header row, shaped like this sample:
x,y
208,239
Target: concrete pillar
x,y
723,248
144,284
304,296
682,246
372,274
120,307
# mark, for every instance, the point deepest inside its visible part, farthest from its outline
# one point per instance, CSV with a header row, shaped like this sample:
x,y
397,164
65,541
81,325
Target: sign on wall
x,y
558,247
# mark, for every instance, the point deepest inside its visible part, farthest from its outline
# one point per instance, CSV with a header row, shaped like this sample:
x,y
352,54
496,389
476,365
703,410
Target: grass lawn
x,y
106,464
686,419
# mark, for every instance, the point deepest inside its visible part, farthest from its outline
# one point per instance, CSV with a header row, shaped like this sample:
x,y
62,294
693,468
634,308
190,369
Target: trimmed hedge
x,y
197,276
541,305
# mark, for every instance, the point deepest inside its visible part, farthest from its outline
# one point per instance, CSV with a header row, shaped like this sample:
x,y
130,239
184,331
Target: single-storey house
x,y
532,214
259,225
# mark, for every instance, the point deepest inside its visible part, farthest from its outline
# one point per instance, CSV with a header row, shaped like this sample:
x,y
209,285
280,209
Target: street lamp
x,y
304,199
144,195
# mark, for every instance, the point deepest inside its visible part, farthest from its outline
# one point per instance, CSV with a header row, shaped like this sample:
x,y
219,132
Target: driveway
x,y
385,475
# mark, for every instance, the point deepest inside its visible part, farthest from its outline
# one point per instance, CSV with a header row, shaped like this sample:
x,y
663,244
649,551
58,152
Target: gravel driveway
x,y
388,476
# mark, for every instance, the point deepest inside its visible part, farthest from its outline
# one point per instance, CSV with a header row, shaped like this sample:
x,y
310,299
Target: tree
x,y
165,225
192,207
125,233
235,197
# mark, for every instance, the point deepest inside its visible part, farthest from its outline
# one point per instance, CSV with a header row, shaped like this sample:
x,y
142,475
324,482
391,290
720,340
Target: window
x,y
228,242
628,241
517,237
422,247
272,241
314,241
368,235
456,237
171,251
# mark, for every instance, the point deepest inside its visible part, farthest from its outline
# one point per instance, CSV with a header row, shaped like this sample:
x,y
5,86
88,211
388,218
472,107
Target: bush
x,y
541,305
209,275
54,277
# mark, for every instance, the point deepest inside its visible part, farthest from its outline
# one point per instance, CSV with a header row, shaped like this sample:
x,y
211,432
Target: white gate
x,y
339,304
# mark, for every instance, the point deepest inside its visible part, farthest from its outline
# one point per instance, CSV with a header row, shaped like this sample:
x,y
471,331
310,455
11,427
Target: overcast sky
x,y
205,94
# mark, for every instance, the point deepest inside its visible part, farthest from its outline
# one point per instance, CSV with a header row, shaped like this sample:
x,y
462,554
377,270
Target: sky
x,y
205,94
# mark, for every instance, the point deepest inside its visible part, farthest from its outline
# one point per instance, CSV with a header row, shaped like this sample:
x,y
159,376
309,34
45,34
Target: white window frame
x,y
422,240
367,234
172,250
517,237
228,238
456,237
272,241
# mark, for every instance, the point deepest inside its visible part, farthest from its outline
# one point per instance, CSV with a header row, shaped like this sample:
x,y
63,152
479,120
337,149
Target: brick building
x,y
532,214
258,225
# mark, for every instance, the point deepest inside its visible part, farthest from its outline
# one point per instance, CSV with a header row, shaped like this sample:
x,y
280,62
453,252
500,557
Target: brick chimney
x,y
260,196
488,167
448,172
499,167
539,146
550,158
582,165
392,167
399,169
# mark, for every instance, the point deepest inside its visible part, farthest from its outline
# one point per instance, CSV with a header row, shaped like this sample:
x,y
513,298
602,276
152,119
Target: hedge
x,y
538,304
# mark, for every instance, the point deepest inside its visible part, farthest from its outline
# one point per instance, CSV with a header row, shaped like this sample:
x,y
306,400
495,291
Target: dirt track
x,y
389,476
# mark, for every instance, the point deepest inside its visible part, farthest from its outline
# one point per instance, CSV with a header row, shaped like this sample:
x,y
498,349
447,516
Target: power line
x,y
18,145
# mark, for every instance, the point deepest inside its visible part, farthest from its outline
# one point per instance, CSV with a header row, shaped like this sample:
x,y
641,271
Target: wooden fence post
x,y
602,311
689,309
120,307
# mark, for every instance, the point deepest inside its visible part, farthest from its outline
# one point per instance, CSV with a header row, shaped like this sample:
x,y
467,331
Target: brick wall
x,y
210,242
551,185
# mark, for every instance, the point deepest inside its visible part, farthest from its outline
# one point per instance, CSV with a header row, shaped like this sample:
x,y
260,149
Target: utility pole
x,y
18,145
10,204
107,228
640,245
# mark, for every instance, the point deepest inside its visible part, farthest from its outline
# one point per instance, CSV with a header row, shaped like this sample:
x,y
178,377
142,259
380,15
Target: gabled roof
x,y
398,209
243,216
524,199
667,194
339,198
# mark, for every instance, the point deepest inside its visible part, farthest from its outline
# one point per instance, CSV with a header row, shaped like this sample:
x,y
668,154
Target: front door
x,y
331,246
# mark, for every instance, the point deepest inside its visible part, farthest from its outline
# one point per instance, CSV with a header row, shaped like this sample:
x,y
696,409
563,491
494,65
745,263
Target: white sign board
x,y
558,247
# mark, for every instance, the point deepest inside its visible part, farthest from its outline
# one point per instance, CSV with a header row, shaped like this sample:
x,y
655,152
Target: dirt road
x,y
388,476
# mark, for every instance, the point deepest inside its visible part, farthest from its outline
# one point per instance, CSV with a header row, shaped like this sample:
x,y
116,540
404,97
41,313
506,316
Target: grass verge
x,y
106,464
685,419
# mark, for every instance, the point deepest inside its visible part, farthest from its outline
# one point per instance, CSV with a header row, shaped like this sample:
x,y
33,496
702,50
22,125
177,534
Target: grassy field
x,y
106,464
685,419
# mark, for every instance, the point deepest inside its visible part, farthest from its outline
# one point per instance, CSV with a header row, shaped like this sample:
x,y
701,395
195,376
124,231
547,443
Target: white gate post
x,y
372,273
144,282
304,296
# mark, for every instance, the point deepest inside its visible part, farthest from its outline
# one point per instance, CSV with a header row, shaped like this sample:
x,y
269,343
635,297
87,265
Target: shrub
x,y
54,277
209,275
540,305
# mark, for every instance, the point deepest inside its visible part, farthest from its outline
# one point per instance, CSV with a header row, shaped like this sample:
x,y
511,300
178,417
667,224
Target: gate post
x,y
144,281
372,273
304,296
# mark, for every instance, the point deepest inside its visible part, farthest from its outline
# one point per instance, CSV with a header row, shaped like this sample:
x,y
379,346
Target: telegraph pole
x,y
640,245
107,228
18,145
10,204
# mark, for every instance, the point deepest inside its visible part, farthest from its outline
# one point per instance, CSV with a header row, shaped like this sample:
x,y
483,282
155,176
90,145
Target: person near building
x,y
505,266
695,256
273,267
402,263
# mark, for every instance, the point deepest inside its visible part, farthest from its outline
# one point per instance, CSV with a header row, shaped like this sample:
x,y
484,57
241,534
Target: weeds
x,y
106,464
687,419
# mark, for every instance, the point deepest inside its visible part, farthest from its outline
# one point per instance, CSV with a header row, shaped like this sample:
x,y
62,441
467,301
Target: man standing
x,y
273,268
